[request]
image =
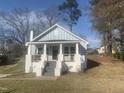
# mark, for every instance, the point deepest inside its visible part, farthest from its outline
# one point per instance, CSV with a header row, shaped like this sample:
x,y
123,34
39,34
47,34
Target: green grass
x,y
17,70
71,83
61,85
12,68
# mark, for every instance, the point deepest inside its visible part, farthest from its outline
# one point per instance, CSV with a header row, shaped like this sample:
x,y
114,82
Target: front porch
x,y
65,55
52,52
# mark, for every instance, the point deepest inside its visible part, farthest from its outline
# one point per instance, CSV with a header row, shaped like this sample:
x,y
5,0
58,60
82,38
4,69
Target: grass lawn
x,y
104,76
12,68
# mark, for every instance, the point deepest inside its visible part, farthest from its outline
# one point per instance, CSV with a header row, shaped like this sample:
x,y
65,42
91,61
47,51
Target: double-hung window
x,y
69,52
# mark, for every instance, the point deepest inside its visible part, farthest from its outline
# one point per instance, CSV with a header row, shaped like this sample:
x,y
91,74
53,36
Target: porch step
x,y
49,70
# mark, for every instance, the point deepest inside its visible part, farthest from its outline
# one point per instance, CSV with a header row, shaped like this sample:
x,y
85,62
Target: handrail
x,y
84,62
41,66
36,57
58,68
70,57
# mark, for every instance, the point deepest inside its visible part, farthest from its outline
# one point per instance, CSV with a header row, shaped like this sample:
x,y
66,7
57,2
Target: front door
x,y
55,52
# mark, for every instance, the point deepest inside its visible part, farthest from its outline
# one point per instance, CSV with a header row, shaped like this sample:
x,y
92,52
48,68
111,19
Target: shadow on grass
x,y
8,91
9,62
91,64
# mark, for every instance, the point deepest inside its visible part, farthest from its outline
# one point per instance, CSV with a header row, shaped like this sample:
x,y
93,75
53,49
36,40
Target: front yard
x,y
103,76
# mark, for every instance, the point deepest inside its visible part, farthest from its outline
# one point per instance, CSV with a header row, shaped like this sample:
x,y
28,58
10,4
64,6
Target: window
x,y
69,52
39,50
72,50
66,50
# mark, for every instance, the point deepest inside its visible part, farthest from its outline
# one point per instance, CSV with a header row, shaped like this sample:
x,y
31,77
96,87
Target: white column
x,y
29,50
44,52
28,61
77,58
60,53
40,66
58,68
77,48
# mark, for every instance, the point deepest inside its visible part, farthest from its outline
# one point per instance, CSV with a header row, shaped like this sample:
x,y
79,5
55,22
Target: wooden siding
x,y
57,34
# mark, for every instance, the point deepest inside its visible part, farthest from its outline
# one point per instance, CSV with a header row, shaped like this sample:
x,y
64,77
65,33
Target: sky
x,y
84,26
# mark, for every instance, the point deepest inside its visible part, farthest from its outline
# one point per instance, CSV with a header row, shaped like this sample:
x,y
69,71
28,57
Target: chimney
x,y
31,35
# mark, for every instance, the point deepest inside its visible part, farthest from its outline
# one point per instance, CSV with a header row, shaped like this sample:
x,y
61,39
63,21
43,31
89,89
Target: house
x,y
101,50
55,51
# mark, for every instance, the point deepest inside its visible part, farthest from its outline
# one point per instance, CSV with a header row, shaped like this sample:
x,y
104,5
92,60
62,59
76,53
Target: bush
x,y
117,55
122,55
114,55
16,51
3,59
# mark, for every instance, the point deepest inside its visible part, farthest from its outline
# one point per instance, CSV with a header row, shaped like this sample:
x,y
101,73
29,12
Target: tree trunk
x,y
109,45
104,43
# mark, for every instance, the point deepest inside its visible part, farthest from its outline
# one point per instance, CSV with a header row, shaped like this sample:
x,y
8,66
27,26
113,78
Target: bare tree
x,y
22,21
2,40
52,15
18,20
45,19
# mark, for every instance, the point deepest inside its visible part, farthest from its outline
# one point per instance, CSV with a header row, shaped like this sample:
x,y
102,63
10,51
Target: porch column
x,y
60,48
59,62
77,49
77,58
44,49
45,52
40,66
60,53
29,50
28,61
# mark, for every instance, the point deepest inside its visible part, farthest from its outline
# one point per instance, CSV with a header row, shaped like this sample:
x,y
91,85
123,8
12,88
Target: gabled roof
x,y
56,25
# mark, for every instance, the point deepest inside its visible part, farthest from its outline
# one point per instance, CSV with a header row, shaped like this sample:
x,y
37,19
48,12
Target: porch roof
x,y
52,42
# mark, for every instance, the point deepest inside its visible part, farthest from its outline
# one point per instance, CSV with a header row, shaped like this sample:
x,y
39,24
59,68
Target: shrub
x,y
117,55
114,55
3,59
15,51
122,55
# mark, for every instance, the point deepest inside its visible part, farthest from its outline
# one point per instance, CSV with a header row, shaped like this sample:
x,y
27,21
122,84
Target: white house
x,y
55,51
101,50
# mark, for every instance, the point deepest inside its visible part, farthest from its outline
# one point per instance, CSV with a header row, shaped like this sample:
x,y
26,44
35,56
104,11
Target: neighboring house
x,y
101,50
55,51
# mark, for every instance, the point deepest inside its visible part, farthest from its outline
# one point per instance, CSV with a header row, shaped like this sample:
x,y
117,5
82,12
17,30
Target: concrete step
x,y
49,70
49,74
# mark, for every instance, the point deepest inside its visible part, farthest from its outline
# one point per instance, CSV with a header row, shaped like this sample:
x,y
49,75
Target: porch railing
x,y
68,57
36,57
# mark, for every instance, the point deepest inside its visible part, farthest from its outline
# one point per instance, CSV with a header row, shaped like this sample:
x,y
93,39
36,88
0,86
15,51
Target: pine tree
x,y
70,10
